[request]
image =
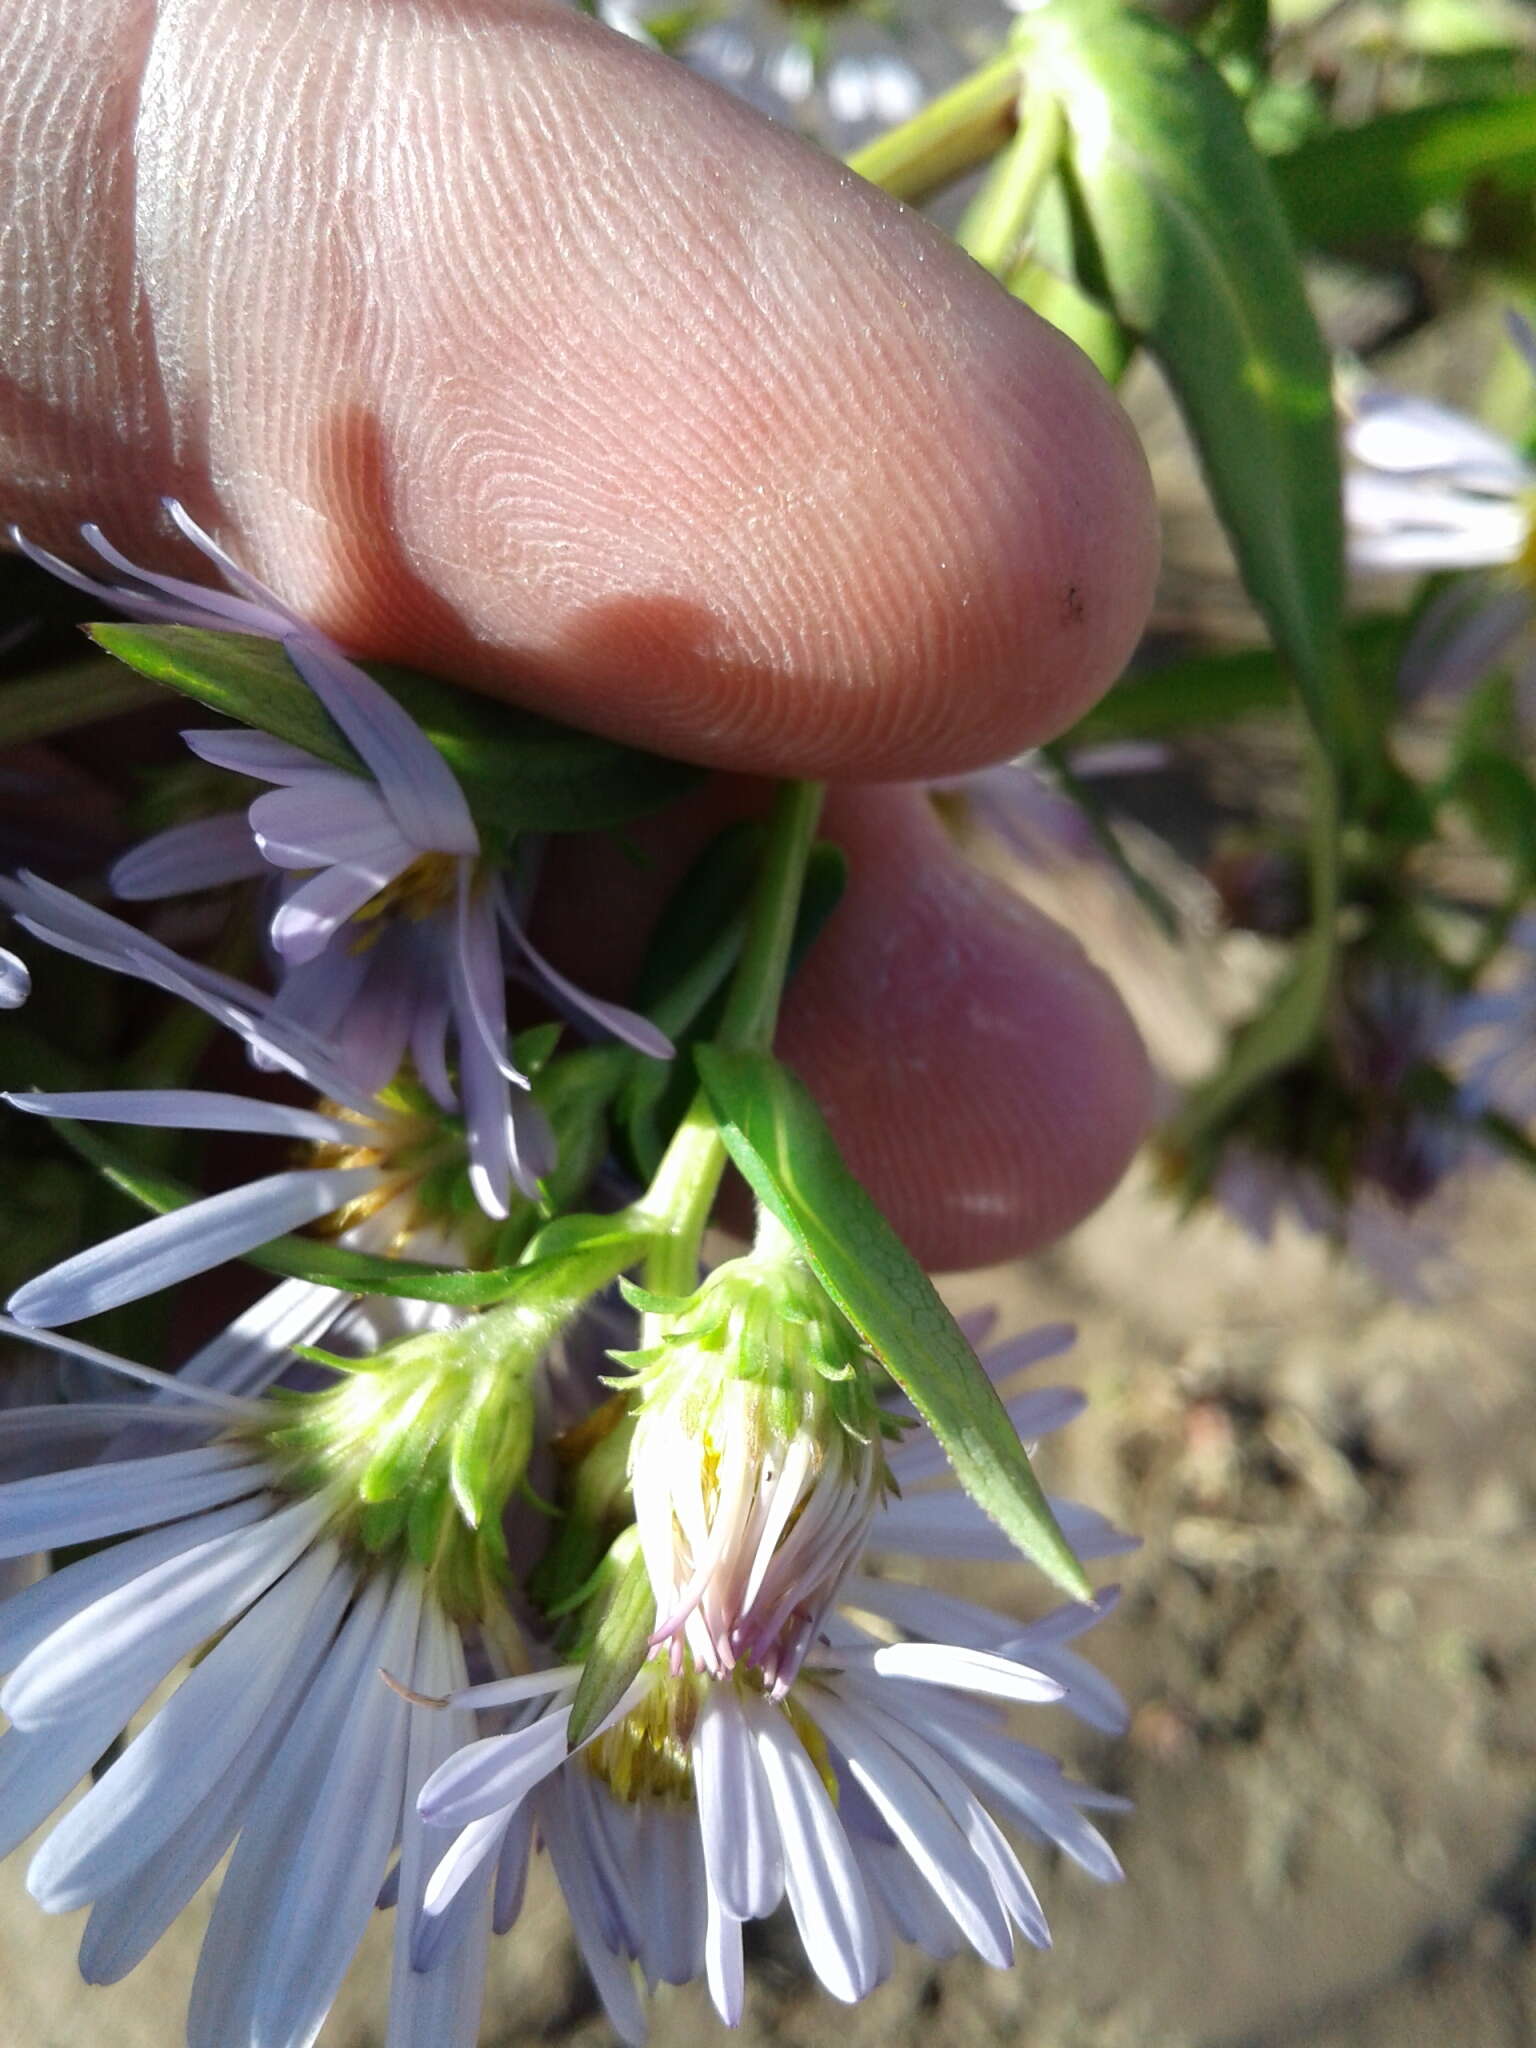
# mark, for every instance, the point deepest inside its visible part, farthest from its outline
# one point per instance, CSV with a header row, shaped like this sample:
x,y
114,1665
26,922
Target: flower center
x,y
420,891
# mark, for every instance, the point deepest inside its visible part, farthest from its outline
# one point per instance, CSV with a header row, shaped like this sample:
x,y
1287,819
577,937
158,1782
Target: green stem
x,y
678,1202
752,1008
949,137
998,218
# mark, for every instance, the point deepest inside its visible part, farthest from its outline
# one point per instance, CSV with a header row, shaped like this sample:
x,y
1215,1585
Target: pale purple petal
x,y
741,1841
188,1109
310,918
207,853
413,778
628,1026
1406,435
171,1248
59,1509
330,819
497,1771
259,755
1465,631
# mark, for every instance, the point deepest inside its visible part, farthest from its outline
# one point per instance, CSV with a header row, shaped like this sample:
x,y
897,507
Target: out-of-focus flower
x,y
1495,1030
868,1792
15,981
838,70
1351,1149
1426,489
390,927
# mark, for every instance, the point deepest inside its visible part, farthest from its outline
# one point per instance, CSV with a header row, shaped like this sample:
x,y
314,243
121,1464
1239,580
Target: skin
x,y
506,348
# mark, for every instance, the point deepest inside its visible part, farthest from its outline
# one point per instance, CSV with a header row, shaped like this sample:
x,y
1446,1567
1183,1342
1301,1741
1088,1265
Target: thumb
x,y
505,347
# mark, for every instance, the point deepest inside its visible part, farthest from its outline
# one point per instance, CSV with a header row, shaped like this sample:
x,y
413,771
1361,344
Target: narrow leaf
x,y
1379,179
1179,215
519,772
618,1650
777,1137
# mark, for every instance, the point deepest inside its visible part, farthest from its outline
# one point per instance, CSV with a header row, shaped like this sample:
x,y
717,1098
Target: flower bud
x,y
756,1464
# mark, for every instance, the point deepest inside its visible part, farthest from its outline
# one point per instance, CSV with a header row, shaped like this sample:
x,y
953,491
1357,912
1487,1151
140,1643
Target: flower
x,y
280,1740
838,72
1352,1148
756,1463
1495,1033
371,1155
310,1538
1427,489
868,1792
389,927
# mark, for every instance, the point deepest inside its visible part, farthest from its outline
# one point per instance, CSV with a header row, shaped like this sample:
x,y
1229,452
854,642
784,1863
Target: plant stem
x,y
949,137
998,218
752,1008
678,1201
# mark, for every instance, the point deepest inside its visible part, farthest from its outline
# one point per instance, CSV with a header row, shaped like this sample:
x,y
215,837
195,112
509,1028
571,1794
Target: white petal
x,y
741,1840
189,1109
826,1892
190,1240
125,1643
967,1670
207,853
184,1753
81,1506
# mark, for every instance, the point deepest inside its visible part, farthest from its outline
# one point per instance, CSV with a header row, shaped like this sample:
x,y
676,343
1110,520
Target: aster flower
x,y
1494,1031
392,915
867,1792
311,1538
1347,1151
756,1463
1427,489
370,1154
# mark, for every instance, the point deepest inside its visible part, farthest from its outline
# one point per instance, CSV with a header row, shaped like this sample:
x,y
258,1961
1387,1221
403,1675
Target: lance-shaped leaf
x,y
519,772
618,1650
776,1135
1178,214
1357,184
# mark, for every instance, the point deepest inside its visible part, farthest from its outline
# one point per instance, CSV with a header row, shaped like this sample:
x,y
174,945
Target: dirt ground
x,y
1328,1644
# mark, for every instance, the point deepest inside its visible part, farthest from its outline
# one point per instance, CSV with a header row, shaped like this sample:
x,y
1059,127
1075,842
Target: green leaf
x,y
38,707
618,1650
777,1137
1356,184
519,772
1205,690
1178,214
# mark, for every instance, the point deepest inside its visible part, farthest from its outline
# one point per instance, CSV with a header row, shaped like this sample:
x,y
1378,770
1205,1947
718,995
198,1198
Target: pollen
x,y
646,1755
420,891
